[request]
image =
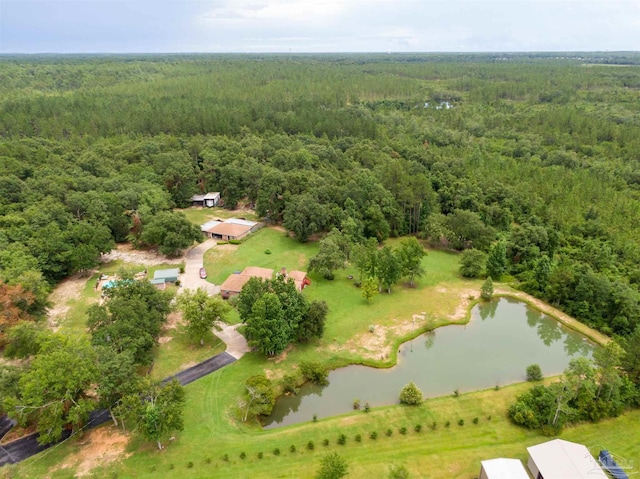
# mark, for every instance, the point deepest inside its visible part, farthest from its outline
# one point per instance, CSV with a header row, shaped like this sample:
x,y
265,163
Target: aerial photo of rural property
x,y
319,239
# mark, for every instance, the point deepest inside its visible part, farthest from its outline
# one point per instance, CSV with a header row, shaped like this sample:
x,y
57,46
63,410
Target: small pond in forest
x,y
503,337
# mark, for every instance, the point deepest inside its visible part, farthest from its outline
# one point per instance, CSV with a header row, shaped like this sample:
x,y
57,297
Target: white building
x,y
502,468
559,459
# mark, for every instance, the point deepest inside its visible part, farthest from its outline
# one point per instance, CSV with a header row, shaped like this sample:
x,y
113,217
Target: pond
x,y
503,337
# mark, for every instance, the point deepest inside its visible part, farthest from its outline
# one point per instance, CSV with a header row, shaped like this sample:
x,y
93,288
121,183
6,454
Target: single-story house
x,y
208,200
560,459
234,283
168,275
231,229
502,468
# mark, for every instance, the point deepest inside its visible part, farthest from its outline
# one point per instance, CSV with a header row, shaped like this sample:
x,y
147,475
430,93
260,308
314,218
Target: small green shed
x,y
168,275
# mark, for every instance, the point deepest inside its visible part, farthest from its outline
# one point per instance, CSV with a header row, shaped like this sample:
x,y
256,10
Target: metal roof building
x,y
559,459
502,468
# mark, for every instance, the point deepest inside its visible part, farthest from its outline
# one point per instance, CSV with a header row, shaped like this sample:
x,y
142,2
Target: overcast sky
x,y
131,26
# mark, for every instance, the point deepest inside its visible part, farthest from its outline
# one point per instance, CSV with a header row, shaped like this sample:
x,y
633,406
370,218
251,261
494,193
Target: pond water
x,y
503,337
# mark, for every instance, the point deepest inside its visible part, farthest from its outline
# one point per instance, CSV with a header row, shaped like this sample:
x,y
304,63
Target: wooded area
x,y
537,152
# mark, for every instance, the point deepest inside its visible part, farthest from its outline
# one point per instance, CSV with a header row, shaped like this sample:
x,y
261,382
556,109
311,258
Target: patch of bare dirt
x,y
466,296
125,252
274,375
174,319
99,447
164,339
67,289
282,356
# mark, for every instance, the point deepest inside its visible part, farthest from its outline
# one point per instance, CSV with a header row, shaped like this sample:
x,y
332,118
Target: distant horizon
x,y
337,52
317,26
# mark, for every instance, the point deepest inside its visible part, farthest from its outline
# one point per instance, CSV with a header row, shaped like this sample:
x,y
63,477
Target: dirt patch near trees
x,y
125,252
98,447
68,289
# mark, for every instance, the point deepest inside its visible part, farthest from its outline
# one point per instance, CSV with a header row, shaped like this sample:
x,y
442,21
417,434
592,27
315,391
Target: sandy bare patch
x,y
164,339
67,289
462,309
282,356
274,375
125,252
99,447
174,319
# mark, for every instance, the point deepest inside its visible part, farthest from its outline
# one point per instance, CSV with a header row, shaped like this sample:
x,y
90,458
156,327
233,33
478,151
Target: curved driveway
x,y
193,262
236,342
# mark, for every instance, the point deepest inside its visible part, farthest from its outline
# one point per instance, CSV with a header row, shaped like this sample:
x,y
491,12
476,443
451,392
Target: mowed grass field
x,y
213,441
214,438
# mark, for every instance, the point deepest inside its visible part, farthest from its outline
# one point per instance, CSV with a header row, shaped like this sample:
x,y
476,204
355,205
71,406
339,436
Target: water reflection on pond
x,y
503,337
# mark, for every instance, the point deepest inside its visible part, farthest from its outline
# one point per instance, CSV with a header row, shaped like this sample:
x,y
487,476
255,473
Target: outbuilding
x,y
502,468
208,200
168,275
560,459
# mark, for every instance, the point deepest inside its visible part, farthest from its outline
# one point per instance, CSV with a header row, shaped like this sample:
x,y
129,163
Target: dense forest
x,y
531,162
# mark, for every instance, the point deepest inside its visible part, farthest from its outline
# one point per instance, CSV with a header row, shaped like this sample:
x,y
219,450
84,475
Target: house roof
x,y
502,468
256,271
228,229
238,221
560,459
298,278
207,196
234,283
210,224
166,273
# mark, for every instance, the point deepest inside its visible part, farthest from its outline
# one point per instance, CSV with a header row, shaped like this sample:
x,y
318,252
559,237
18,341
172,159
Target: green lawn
x,y
181,352
223,260
212,430
212,425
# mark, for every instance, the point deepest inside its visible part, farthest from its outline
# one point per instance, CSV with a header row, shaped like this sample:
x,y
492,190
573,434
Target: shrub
x,y
190,464
461,422
358,438
456,393
276,451
267,251
292,448
315,418
447,424
243,455
342,439
373,435
311,445
367,408
534,373
225,457
434,425
488,418
398,472
356,404
325,442
289,384
403,430
411,395
208,460
389,432
260,455
235,241
171,466
486,290
417,427
314,372
475,420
